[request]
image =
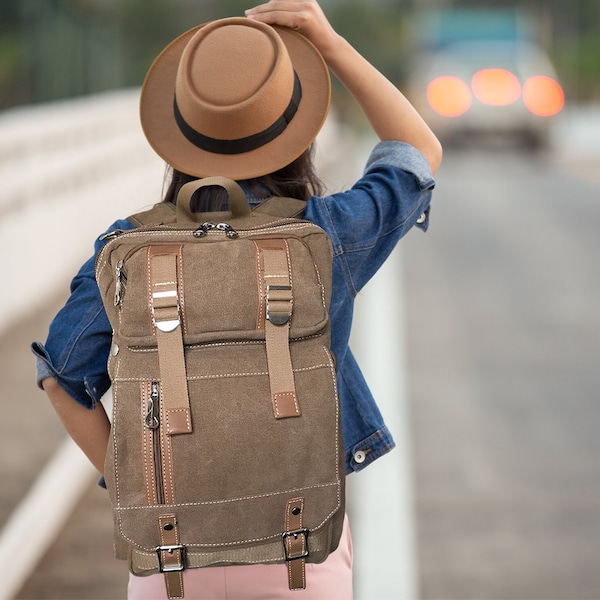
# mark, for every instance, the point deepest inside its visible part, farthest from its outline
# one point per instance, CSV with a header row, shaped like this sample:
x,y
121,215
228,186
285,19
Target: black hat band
x,y
246,144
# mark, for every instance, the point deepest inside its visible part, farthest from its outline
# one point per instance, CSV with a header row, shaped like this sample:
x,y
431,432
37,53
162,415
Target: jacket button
x,y
422,218
359,457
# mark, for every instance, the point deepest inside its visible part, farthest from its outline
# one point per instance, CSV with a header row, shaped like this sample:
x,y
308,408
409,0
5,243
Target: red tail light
x,y
543,96
449,96
496,87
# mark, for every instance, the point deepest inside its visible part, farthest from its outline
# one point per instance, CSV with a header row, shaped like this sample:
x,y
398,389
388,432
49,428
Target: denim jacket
x,y
364,224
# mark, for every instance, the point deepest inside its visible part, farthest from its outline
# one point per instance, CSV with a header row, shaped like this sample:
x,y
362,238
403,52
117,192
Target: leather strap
x,y
277,206
275,312
295,542
171,555
165,308
163,212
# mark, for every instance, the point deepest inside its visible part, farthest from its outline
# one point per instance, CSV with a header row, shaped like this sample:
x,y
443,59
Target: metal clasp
x,y
165,325
276,316
170,549
295,534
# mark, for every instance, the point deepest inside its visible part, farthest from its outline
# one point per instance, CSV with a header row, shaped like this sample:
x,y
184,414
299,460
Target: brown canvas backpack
x,y
226,443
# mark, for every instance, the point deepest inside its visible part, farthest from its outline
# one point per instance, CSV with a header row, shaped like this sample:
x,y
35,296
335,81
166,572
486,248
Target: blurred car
x,y
496,88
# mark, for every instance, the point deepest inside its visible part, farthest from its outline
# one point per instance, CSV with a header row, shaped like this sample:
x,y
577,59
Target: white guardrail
x,y
68,170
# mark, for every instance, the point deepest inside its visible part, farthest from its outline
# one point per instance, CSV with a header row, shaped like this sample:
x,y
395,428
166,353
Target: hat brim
x,y
163,134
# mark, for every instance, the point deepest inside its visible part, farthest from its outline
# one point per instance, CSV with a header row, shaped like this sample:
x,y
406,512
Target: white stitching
x,y
178,410
166,451
226,375
201,345
150,478
180,294
296,491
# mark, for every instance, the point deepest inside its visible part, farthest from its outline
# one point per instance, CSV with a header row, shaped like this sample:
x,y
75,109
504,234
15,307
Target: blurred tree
x,y
11,55
52,49
376,30
577,45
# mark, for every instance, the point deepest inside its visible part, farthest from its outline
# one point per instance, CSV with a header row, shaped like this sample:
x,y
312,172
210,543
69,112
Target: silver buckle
x,y
278,318
170,549
295,534
166,326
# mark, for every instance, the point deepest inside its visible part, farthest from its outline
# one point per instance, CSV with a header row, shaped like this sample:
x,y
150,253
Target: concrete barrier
x,y
69,170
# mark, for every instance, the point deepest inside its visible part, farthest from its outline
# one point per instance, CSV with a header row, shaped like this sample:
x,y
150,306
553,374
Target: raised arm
x,y
390,114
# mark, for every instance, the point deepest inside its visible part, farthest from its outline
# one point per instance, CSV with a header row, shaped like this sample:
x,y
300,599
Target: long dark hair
x,y
297,180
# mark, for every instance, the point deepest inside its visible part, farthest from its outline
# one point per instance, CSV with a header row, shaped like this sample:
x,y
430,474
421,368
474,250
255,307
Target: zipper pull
x,y
111,235
230,232
204,229
119,277
152,421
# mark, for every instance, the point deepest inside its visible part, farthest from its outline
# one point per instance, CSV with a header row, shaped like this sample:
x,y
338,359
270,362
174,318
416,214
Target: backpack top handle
x,y
238,202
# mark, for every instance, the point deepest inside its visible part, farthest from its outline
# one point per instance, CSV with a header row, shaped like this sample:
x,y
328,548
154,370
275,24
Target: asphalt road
x,y
503,339
503,299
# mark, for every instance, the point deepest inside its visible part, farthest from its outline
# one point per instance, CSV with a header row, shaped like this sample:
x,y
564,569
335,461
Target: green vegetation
x,y
52,49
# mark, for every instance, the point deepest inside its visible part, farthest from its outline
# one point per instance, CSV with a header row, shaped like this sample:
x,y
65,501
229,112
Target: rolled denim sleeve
x,y
79,338
366,222
409,159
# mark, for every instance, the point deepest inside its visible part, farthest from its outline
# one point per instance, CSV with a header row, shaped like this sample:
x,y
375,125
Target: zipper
x,y
111,235
226,228
120,282
152,422
230,232
205,229
200,232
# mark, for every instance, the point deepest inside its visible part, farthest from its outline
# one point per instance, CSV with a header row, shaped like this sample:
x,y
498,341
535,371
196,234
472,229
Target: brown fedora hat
x,y
235,97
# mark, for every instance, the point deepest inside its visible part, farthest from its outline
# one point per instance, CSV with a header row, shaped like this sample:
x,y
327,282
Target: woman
x,y
268,151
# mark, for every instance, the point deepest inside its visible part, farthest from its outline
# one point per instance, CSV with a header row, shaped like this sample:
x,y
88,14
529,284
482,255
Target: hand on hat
x,y
390,114
304,16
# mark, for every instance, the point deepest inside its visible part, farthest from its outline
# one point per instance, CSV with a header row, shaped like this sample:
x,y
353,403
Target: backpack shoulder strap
x,y
276,206
163,212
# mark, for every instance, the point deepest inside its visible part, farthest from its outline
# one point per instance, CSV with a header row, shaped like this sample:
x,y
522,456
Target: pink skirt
x,y
331,579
